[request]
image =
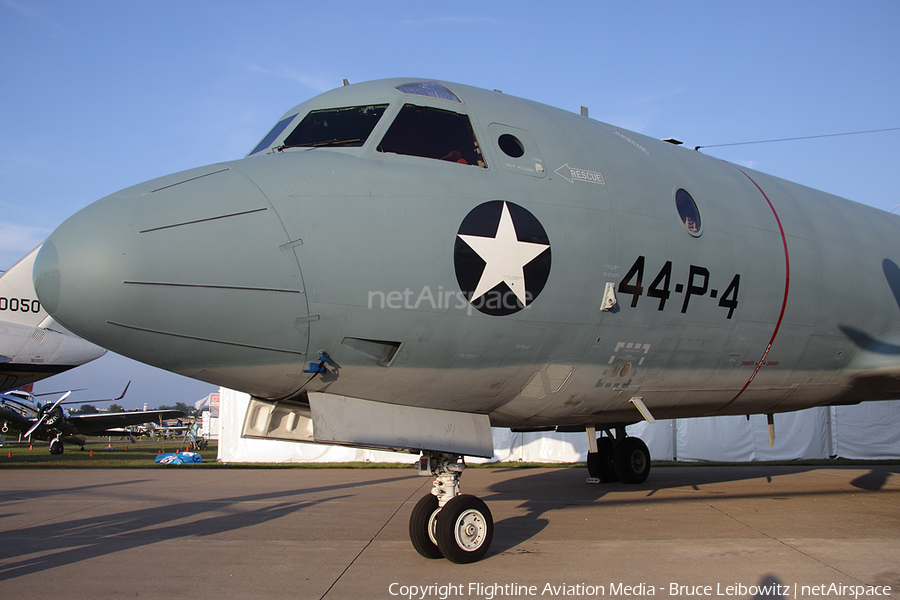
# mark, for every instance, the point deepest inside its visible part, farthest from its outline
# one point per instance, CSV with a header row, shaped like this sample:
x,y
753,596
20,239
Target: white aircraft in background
x,y
33,345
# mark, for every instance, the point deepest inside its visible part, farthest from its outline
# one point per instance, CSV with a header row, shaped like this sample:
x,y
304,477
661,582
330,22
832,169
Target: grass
x,y
96,455
127,455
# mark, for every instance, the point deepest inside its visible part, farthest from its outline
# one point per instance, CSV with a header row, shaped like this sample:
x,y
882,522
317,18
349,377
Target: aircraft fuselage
x,y
474,282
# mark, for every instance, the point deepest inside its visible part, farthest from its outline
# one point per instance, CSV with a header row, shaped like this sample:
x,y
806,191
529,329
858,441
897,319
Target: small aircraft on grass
x,y
163,430
21,412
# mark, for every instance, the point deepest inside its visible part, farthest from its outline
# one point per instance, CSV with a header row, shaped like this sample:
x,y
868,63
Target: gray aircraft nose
x,y
191,273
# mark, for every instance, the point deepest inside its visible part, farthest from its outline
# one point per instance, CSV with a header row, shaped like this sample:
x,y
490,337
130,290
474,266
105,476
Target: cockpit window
x,y
276,131
432,89
345,127
433,133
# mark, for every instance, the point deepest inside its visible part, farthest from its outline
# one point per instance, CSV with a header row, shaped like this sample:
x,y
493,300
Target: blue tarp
x,y
179,458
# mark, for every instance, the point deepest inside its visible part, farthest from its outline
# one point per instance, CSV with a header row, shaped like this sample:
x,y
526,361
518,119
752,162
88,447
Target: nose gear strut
x,y
445,523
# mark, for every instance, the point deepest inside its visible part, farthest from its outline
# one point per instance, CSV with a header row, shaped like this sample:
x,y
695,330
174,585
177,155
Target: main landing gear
x,y
445,523
459,527
56,446
624,459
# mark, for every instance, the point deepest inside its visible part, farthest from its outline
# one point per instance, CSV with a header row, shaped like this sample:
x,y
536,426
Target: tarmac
x,y
726,532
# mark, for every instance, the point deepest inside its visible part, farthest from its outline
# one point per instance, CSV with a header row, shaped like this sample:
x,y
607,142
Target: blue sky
x,y
96,96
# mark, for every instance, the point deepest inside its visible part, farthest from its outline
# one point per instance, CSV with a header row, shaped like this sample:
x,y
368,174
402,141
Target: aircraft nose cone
x,y
187,273
46,276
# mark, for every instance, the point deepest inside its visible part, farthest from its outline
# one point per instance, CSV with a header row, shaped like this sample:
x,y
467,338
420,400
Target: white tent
x,y
866,431
209,407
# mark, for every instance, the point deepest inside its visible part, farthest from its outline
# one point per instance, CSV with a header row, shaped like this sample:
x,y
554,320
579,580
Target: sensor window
x,y
431,89
688,212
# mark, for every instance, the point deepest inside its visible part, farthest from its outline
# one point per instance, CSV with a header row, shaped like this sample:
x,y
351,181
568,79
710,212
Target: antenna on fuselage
x,y
584,111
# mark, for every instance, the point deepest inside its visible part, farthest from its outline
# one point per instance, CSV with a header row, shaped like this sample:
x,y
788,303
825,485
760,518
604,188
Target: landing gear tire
x,y
422,524
56,447
631,460
464,529
600,463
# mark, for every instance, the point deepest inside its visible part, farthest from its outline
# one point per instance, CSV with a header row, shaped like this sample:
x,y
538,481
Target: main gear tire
x,y
600,463
631,460
422,523
464,529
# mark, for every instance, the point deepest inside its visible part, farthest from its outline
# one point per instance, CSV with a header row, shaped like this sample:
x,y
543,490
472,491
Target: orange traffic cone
x,y
158,453
9,455
92,453
31,446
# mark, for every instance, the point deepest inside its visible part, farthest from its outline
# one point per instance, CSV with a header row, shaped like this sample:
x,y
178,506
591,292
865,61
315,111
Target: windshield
x,y
433,133
349,126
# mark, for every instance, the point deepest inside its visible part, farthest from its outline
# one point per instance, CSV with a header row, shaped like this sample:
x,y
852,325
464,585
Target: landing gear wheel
x,y
465,529
600,463
422,524
56,447
631,460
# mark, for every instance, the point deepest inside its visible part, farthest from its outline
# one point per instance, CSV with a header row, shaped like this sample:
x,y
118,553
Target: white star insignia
x,y
505,256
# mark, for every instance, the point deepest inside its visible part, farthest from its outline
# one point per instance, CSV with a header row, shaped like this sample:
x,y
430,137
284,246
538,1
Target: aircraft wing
x,y
90,424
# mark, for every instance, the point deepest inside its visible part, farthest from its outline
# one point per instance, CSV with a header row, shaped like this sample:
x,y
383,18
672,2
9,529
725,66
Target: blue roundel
x,y
502,257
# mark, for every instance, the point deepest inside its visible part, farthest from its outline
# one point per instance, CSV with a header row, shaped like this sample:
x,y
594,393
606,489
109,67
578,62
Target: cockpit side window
x,y
274,133
345,127
433,133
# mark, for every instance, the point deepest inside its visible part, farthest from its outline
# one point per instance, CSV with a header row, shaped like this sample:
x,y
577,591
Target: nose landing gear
x,y
445,523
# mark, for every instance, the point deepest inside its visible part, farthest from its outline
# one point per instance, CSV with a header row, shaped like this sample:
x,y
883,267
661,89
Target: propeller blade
x,y
47,413
61,398
36,425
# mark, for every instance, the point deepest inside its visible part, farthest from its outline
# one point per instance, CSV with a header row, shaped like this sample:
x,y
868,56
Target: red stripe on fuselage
x,y
787,285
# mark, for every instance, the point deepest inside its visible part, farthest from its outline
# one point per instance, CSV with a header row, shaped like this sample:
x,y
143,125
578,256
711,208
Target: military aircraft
x,y
404,263
21,412
32,345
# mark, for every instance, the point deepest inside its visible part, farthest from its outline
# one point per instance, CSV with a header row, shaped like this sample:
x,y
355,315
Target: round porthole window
x,y
687,212
511,146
